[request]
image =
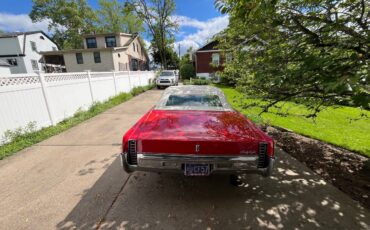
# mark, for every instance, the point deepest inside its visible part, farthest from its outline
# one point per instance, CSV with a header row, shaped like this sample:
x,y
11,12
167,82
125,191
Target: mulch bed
x,y
346,170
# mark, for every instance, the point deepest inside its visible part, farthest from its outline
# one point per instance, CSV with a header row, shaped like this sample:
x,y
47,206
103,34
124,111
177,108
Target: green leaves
x,y
115,17
68,20
156,15
317,50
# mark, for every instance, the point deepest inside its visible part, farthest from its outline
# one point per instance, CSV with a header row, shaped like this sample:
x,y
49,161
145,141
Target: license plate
x,y
197,170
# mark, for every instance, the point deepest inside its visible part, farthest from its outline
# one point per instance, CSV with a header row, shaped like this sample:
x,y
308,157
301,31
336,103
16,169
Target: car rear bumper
x,y
166,84
175,163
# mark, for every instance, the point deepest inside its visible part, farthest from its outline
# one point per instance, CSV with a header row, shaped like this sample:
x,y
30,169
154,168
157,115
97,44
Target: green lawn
x,y
333,125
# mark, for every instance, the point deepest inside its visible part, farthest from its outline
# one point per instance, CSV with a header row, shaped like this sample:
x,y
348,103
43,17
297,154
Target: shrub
x,y
187,71
197,82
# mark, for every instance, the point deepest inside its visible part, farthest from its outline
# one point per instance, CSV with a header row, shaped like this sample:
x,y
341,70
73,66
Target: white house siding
x,y
21,46
4,70
41,45
13,46
123,39
19,68
10,46
121,62
100,41
136,53
88,62
203,75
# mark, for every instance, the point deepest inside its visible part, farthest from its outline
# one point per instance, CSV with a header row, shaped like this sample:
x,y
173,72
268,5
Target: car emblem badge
x,y
197,148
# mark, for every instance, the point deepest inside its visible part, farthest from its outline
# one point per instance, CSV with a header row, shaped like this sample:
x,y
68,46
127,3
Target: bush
x,y
187,71
197,82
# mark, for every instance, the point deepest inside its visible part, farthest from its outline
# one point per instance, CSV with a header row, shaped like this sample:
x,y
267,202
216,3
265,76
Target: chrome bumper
x,y
166,83
175,163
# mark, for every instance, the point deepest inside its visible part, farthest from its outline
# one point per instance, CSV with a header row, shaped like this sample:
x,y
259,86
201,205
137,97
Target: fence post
x,y
90,86
140,79
129,81
115,82
46,97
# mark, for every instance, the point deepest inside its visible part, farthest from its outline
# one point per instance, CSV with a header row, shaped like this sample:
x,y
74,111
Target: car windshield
x,y
194,100
167,74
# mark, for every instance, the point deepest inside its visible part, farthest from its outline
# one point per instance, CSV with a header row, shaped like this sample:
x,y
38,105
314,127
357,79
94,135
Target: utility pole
x,y
179,61
179,51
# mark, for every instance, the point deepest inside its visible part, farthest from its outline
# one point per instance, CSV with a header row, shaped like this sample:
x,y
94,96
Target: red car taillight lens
x,y
262,155
132,152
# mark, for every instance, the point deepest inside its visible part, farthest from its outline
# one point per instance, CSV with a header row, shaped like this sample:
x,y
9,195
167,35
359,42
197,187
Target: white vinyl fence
x,y
46,99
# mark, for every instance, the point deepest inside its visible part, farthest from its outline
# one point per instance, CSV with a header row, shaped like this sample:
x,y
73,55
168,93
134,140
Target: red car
x,y
194,131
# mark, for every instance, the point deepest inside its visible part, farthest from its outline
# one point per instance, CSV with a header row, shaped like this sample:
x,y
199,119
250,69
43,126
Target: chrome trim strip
x,y
174,163
178,157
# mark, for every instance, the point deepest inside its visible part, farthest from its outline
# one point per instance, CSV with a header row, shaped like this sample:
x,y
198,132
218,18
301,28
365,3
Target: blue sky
x,y
198,20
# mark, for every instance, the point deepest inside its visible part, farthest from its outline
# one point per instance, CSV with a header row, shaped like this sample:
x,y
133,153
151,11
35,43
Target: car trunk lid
x,y
198,132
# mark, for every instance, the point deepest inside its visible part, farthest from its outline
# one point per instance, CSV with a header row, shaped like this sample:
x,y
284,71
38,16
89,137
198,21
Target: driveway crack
x,y
102,220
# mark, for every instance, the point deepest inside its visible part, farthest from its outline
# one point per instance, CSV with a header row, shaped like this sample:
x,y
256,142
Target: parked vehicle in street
x,y
193,130
167,78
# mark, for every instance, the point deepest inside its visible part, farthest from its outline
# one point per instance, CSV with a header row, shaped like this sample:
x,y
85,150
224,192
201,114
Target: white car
x,y
166,78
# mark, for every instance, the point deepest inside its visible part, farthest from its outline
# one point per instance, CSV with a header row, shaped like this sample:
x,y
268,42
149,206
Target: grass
x,y
196,81
341,126
20,140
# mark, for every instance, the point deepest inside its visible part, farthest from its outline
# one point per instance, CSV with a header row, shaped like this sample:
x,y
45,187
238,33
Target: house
x,y
21,50
209,59
4,68
103,52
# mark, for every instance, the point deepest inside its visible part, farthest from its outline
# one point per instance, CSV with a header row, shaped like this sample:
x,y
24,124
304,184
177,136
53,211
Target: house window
x,y
229,57
35,65
110,41
97,57
12,62
134,46
79,58
135,65
91,43
54,48
216,59
33,46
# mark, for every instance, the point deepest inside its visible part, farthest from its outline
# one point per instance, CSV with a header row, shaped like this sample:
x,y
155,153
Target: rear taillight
x,y
132,152
262,155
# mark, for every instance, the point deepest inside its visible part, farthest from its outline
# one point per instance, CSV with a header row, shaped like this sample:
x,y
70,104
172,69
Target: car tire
x,y
234,180
267,172
158,87
125,165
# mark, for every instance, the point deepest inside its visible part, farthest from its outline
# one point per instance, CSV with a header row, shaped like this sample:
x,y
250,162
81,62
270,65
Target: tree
x,y
172,59
68,20
187,69
315,52
114,16
157,17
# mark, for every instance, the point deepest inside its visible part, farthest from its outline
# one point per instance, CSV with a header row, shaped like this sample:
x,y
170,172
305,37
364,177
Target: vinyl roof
x,y
193,90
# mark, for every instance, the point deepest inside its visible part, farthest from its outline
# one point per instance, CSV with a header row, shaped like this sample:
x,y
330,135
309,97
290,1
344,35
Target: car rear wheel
x,y
268,170
235,180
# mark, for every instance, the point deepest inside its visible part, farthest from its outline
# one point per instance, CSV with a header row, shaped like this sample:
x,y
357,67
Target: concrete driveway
x,y
74,181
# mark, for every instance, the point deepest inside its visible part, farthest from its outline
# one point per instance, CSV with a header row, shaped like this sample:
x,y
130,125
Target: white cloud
x,y
205,31
147,43
21,22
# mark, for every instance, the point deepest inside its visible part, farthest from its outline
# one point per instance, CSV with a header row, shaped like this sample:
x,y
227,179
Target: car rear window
x,y
194,100
167,74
